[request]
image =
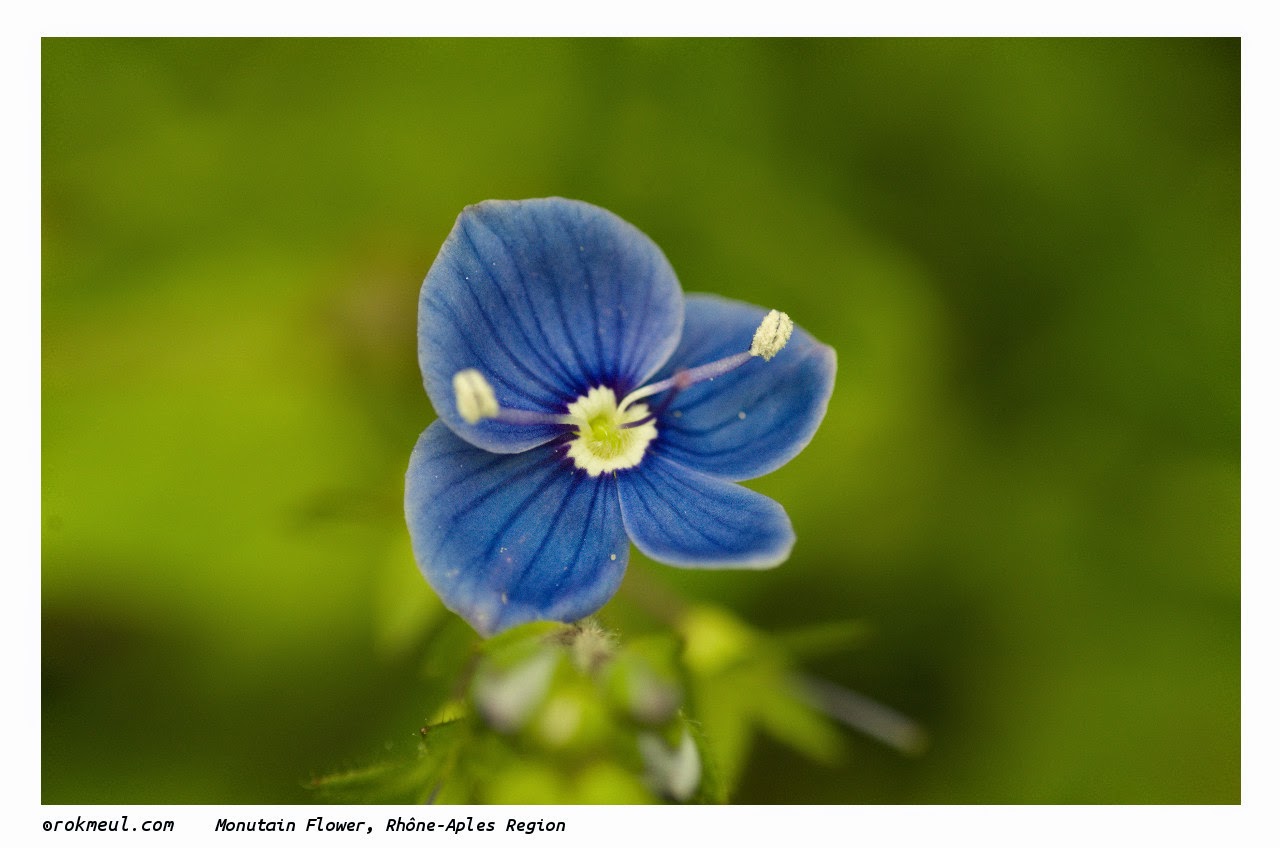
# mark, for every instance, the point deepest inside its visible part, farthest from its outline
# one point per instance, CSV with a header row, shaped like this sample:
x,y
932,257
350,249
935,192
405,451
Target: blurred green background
x,y
1026,253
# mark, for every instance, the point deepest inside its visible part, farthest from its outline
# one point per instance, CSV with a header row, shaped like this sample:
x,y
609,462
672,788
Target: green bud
x,y
714,640
573,719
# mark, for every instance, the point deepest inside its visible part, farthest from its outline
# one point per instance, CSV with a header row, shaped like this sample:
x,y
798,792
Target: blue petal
x,y
682,517
548,299
510,538
755,418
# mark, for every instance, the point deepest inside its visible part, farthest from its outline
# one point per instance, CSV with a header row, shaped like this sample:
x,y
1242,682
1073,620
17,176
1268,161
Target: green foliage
x,y
743,681
563,714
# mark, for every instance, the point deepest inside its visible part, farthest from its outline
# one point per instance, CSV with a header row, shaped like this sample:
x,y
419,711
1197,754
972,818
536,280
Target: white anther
x,y
474,396
772,335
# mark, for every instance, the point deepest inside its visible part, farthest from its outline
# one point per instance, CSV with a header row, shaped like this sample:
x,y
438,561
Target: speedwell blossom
x,y
585,401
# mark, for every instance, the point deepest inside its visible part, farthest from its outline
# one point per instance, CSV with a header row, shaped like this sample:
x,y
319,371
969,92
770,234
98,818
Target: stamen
x,y
474,396
770,337
475,401
607,436
658,411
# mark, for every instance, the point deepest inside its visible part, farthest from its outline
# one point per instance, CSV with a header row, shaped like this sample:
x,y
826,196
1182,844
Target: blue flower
x,y
585,401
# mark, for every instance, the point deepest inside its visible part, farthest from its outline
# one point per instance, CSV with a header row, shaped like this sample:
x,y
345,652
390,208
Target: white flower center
x,y
604,442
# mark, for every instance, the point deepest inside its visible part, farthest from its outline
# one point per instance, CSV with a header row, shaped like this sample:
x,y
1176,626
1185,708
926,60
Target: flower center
x,y
608,438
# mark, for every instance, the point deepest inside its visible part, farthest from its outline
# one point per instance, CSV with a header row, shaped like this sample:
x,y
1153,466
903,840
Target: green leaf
x,y
409,777
793,722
